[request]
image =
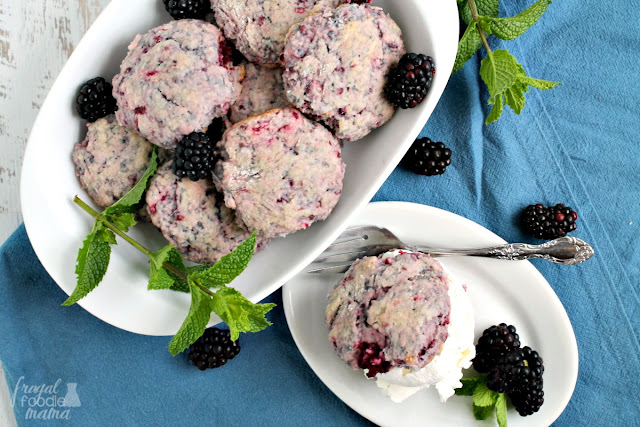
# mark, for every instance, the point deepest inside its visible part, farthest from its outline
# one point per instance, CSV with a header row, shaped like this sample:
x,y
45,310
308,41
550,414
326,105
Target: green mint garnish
x,y
485,400
129,203
482,412
103,234
469,44
468,386
229,266
505,78
92,263
167,270
515,26
484,8
501,410
483,396
240,314
123,220
93,256
507,83
195,323
160,277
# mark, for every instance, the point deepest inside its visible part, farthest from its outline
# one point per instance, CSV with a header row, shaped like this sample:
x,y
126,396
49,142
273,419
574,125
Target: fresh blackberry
x,y
426,157
495,343
497,381
519,374
528,401
409,82
548,222
500,376
188,9
359,1
507,370
193,157
213,349
95,100
525,372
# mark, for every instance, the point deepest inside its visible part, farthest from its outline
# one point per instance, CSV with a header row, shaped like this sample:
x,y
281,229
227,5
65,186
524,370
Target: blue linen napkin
x,y
574,144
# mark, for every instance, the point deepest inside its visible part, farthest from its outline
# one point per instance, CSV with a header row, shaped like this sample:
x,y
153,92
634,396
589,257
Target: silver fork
x,y
363,241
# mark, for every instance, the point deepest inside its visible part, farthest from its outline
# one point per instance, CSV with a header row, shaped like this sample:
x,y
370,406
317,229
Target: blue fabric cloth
x,y
574,144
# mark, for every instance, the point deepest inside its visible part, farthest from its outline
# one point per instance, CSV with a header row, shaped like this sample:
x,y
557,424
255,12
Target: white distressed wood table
x,y
36,38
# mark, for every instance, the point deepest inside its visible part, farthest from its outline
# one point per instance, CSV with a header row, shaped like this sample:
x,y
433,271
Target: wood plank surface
x,y
36,38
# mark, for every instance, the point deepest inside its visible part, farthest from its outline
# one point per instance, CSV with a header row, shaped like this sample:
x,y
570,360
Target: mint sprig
x,y
240,314
129,203
505,78
489,8
515,26
95,253
196,322
167,270
501,410
485,400
93,261
161,278
229,267
507,83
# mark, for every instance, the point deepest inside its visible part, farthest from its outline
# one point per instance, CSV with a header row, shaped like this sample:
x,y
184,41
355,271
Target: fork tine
x,y
342,256
335,269
352,244
336,246
352,236
356,232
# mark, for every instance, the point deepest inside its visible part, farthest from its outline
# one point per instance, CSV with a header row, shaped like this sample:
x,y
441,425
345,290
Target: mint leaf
x,y
468,386
195,323
507,82
123,221
468,46
483,395
499,71
129,202
229,267
198,268
485,7
515,26
160,277
105,235
514,96
501,410
504,76
496,111
539,84
92,263
484,400
482,412
240,314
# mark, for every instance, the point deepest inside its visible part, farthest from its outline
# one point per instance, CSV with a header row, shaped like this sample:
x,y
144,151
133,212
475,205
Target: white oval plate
x,y
56,227
513,292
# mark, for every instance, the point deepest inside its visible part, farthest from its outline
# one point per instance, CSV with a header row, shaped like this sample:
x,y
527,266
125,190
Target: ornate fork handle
x,y
565,250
